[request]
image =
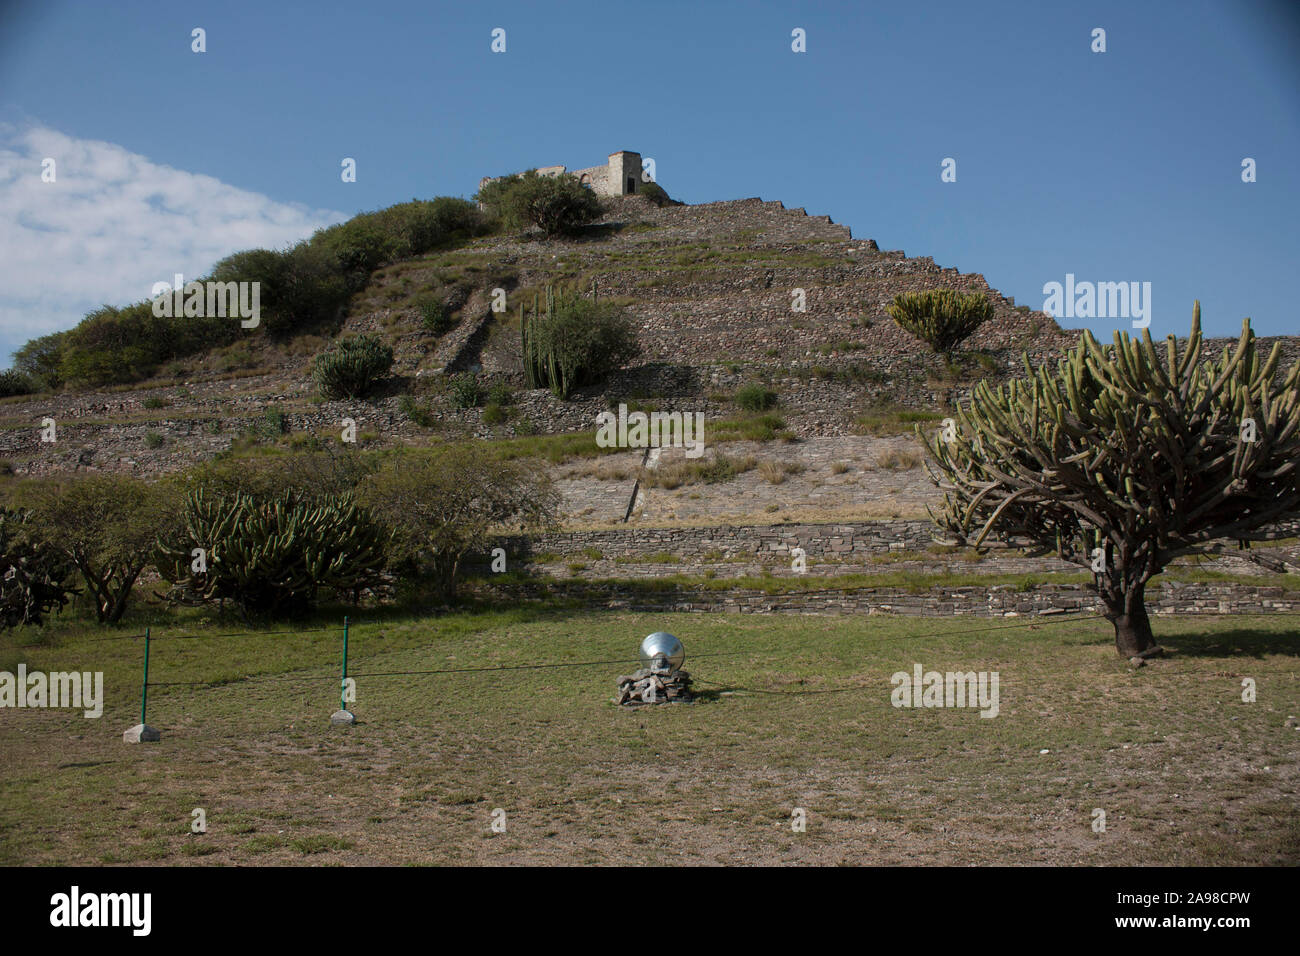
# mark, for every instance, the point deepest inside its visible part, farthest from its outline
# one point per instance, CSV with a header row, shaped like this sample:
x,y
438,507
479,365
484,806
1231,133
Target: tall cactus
x,y
1122,461
561,356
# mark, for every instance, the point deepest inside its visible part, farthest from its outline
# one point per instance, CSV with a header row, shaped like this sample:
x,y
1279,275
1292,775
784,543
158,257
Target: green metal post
x,y
144,686
343,690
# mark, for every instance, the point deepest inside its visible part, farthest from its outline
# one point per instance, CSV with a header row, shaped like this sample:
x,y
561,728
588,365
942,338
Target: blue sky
x,y
1115,166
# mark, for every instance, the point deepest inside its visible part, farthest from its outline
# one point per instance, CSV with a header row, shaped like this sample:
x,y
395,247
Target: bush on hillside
x,y
40,359
301,289
435,317
555,204
755,398
14,382
351,368
465,391
655,193
370,239
113,346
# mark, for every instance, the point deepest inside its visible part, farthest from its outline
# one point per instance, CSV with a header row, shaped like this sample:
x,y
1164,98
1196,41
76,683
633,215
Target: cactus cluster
x,y
272,554
352,367
1123,460
942,318
575,342
34,578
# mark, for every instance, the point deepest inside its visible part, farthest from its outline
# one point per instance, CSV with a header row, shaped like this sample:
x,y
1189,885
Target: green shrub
x,y
272,424
576,342
351,368
435,317
555,204
417,413
303,288
465,391
655,193
942,318
41,359
14,382
153,440
493,414
105,525
444,504
499,393
723,468
755,398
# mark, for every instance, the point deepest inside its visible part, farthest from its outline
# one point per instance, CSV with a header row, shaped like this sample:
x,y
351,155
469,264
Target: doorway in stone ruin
x,y
631,184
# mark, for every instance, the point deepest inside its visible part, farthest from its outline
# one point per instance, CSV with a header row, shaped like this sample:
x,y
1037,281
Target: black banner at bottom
x,y
336,906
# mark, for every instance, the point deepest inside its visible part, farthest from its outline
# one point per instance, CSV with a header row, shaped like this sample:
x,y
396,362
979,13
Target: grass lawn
x,y
794,712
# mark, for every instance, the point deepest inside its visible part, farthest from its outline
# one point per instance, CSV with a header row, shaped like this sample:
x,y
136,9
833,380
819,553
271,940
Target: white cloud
x,y
111,225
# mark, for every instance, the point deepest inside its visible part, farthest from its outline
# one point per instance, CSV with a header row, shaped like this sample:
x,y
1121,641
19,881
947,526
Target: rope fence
x,y
343,716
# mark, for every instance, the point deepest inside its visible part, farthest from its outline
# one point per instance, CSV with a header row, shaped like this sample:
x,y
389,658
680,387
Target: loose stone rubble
x,y
658,684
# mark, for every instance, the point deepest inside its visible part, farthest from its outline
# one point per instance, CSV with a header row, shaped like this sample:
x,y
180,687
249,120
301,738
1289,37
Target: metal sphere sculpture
x,y
662,646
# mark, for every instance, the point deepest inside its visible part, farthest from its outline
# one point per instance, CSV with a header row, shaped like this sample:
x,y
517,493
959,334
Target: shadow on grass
x,y
1242,642
715,694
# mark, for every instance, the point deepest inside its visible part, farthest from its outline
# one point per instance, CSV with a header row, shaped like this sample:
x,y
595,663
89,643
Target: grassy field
x,y
794,712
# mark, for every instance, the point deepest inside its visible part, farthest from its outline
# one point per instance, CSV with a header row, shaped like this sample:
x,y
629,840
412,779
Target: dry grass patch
x,y
895,460
719,468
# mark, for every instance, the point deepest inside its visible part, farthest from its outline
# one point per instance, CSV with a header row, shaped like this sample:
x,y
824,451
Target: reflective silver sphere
x,y
662,644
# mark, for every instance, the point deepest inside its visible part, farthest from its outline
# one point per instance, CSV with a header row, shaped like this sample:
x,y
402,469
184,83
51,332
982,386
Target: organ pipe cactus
x,y
576,342
1123,460
271,554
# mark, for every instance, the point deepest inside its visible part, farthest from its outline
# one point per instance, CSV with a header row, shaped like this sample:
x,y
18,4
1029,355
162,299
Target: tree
x,y
1121,461
40,358
105,525
555,204
441,506
943,318
33,576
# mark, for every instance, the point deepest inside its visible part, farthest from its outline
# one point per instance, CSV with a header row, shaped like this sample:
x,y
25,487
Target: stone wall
x,y
610,179
832,542
996,601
